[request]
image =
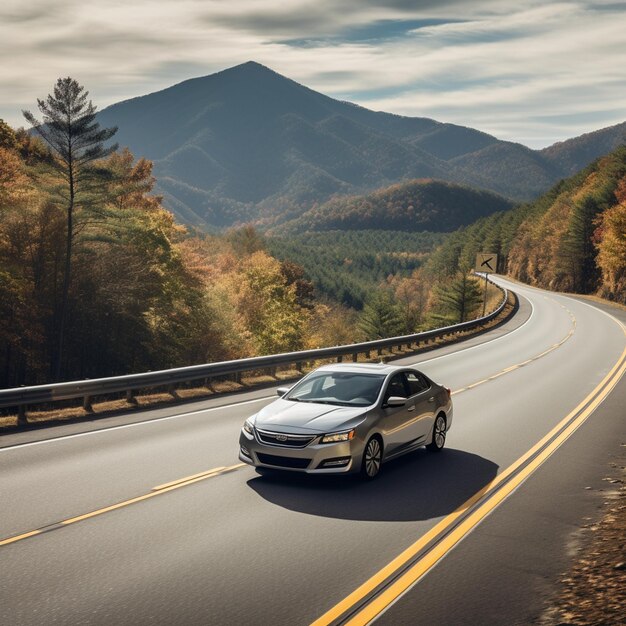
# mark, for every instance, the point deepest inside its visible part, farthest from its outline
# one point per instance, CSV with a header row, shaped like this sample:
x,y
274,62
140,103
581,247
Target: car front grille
x,y
283,439
283,461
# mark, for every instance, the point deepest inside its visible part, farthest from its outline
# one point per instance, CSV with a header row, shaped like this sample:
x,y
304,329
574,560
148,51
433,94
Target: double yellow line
x,y
386,586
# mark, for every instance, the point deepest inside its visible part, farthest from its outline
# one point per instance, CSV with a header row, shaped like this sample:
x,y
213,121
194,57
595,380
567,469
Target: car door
x,y
398,423
423,397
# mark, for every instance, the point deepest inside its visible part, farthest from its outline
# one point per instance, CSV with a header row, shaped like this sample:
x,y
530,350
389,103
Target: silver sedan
x,y
348,418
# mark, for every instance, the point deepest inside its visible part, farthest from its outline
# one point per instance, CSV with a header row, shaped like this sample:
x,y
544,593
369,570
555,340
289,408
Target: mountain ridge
x,y
412,206
247,143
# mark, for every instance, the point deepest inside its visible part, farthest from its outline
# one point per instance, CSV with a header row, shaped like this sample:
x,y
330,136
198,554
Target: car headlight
x,y
337,437
248,427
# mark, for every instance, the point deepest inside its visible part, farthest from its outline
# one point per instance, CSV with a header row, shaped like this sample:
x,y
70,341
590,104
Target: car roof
x,y
363,368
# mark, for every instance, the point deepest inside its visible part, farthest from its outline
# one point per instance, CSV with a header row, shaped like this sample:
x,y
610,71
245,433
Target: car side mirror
x,y
281,391
394,401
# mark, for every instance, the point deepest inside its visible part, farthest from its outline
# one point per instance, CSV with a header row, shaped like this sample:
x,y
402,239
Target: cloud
x,y
533,72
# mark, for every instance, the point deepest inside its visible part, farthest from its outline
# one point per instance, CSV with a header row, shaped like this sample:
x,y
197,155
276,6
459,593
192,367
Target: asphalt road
x,y
235,548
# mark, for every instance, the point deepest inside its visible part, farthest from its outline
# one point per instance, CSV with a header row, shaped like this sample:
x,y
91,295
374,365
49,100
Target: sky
x,y
527,71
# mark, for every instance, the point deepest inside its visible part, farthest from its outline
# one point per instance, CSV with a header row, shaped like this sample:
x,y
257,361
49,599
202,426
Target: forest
x,y
411,206
144,292
98,279
571,239
347,266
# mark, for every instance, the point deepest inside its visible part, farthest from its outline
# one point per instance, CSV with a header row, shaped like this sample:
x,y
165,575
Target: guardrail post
x,y
237,377
299,366
130,397
172,391
22,420
355,357
340,359
87,404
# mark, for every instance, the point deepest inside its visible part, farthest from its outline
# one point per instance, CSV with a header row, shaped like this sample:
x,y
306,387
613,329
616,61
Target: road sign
x,y
486,262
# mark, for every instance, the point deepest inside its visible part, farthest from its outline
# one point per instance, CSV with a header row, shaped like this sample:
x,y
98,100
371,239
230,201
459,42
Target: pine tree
x,y
380,318
456,300
76,140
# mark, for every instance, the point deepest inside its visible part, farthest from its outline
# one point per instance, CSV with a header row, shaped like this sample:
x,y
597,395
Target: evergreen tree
x,y
457,299
76,140
380,318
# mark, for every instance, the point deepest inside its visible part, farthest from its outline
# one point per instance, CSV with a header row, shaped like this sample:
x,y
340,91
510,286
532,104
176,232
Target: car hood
x,y
286,416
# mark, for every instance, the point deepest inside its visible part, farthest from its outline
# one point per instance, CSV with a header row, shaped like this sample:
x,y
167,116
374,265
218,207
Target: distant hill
x,y
415,206
567,156
569,239
247,143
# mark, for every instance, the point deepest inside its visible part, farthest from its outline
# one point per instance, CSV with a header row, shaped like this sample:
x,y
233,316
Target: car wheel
x,y
439,434
372,459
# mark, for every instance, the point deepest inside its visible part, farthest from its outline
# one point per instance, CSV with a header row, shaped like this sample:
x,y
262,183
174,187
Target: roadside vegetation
x,y
98,279
571,239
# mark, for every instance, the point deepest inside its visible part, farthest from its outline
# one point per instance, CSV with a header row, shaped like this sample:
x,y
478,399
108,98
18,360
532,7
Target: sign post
x,y
486,262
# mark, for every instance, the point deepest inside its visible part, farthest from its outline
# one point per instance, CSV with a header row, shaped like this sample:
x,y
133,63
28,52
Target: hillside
x,y
349,266
570,239
247,144
419,205
568,155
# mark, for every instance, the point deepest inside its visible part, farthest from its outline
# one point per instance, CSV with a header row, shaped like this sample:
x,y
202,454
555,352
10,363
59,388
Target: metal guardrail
x,y
21,397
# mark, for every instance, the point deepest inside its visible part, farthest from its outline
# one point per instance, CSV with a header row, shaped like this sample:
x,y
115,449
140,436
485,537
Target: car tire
x,y
439,434
372,459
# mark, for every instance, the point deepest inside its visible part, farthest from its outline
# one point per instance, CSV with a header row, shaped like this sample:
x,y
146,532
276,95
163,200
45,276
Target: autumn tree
x,y
245,240
332,325
7,136
268,306
412,295
69,127
610,241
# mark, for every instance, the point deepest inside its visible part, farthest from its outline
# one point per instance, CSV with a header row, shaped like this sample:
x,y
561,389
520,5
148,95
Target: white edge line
x,y
595,308
142,423
484,343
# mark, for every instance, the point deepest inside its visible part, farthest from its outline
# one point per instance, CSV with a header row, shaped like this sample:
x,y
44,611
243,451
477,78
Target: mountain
x,y
415,206
568,155
248,144
569,239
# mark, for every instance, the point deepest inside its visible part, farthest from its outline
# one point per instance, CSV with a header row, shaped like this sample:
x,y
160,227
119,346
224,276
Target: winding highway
x,y
151,519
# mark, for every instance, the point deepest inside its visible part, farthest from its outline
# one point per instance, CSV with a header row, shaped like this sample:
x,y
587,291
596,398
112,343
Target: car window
x,y
417,383
339,388
397,386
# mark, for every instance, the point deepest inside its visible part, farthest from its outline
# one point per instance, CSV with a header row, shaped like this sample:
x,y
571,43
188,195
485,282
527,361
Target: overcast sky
x,y
527,71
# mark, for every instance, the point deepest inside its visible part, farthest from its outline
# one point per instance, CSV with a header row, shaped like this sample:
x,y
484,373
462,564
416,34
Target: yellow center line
x,y
157,491
517,365
423,565
410,577
206,474
5,542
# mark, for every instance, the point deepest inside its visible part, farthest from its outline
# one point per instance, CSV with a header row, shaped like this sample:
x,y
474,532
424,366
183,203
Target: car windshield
x,y
338,388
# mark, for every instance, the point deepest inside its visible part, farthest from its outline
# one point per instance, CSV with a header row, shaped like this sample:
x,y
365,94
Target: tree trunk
x,y
66,279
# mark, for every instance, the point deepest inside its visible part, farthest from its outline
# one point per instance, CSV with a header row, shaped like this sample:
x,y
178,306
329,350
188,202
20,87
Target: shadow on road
x,y
418,486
